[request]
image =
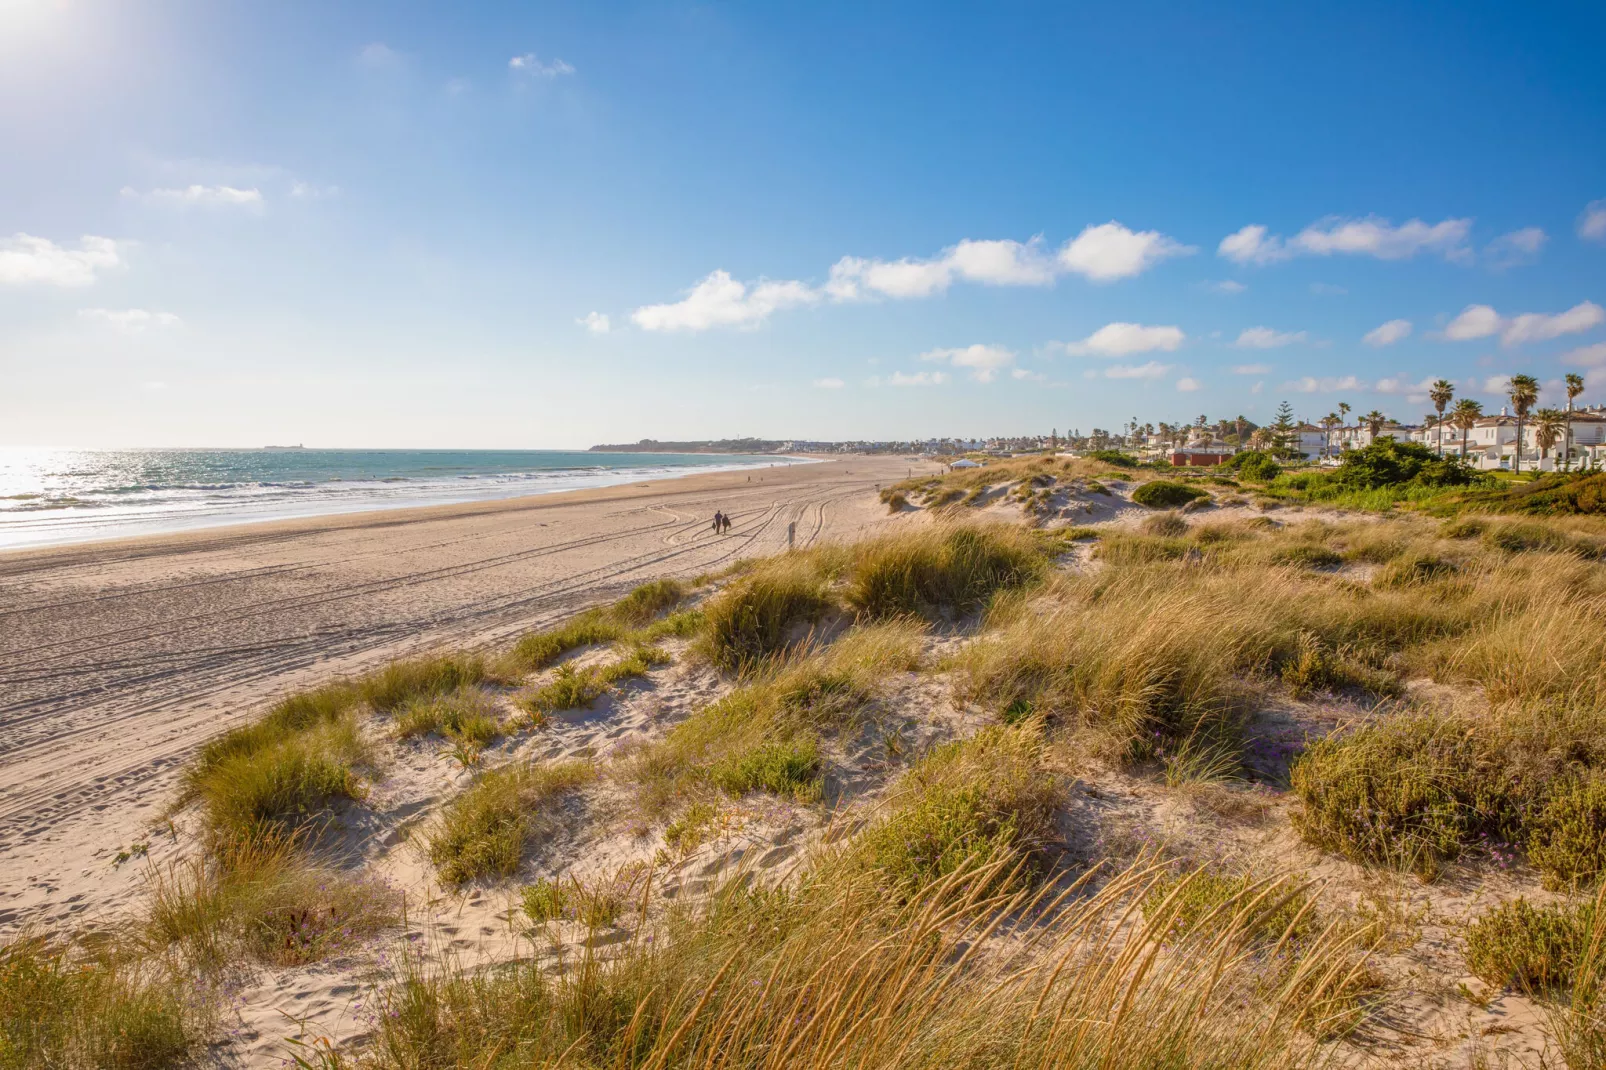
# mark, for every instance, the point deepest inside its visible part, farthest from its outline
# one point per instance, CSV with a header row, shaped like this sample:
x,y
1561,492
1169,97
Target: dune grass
x,y
766,613
764,734
484,831
645,615
467,714
571,688
263,900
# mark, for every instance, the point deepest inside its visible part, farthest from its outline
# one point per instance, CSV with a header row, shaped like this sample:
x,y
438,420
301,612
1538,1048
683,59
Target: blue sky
x,y
407,225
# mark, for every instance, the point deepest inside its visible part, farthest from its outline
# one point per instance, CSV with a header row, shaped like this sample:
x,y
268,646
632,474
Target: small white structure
x,y
964,462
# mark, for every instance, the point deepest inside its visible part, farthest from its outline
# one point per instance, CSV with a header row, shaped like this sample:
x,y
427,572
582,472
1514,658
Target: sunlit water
x,y
59,496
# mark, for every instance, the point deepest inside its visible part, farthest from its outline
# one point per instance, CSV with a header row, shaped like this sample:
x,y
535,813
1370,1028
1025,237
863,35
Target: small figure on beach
x,y
727,522
719,522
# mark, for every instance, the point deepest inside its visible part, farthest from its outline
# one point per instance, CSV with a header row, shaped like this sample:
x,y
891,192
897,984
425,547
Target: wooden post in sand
x,y
791,533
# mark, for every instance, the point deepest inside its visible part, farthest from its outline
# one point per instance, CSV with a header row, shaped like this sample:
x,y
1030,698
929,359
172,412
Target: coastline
x,y
126,527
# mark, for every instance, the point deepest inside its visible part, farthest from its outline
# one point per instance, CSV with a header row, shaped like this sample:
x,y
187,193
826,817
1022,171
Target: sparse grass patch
x,y
571,688
263,900
1307,555
788,769
648,602
401,682
483,832
1167,525
467,714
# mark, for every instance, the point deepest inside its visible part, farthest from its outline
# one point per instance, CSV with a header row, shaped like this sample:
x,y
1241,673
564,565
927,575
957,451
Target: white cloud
x,y
1537,327
1250,245
1110,251
721,301
132,320
1588,356
1325,385
1497,385
1387,334
595,322
1150,370
993,263
830,383
982,360
1187,384
308,191
1360,237
1022,373
1251,369
1266,338
1402,385
378,56
208,196
1474,321
26,259
531,65
1124,339
917,379
1481,321
1515,249
1226,286
1592,224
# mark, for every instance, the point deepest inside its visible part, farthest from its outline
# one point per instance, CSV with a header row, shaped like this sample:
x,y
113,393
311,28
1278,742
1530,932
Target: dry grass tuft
x,y
484,831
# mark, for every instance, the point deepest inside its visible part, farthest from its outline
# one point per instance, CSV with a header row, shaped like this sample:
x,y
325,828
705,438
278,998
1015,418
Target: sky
x,y
549,225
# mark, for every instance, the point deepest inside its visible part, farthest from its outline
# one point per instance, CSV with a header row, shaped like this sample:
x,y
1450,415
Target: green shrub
x,y
1410,791
789,769
949,569
1533,949
1166,494
1113,457
1567,838
1389,463
1259,467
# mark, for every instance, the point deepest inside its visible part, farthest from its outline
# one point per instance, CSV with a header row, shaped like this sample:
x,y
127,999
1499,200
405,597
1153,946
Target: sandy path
x,y
118,658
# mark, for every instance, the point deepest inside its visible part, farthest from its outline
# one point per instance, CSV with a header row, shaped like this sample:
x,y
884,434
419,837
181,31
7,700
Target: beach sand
x,y
120,657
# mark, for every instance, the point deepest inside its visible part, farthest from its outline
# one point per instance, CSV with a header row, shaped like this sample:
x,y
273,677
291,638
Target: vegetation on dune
x,y
1552,494
572,688
77,1013
765,613
645,615
1167,494
1534,949
953,569
483,832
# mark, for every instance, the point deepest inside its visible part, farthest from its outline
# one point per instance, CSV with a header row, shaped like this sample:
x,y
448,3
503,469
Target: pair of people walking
x,y
721,523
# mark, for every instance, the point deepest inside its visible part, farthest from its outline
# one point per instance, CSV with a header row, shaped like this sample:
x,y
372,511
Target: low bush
x,y
1259,467
1534,949
788,769
1410,791
1268,913
1167,494
1113,457
1567,837
1551,494
483,831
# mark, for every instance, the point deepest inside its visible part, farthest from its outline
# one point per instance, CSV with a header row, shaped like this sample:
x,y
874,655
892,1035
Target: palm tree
x,y
1343,412
1575,386
1374,421
1465,416
1441,393
1330,421
1523,390
1242,425
1548,427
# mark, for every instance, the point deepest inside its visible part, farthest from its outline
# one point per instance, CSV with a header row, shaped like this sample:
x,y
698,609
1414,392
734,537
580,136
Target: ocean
x,y
61,496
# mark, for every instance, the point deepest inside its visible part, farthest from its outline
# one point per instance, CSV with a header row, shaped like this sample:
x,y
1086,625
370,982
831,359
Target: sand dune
x,y
120,657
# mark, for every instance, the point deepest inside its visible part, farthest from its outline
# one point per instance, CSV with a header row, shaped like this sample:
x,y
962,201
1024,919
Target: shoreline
x,y
154,527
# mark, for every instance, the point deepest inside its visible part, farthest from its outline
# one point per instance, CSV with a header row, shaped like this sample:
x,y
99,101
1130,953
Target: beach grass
x,y
484,831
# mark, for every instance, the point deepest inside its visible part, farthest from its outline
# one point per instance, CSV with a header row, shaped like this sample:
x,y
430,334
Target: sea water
x,y
61,496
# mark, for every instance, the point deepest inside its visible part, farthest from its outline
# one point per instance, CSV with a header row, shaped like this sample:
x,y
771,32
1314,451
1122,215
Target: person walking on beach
x,y
726,521
719,521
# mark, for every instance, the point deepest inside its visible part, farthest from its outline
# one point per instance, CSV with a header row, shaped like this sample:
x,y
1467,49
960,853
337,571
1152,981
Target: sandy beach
x,y
121,657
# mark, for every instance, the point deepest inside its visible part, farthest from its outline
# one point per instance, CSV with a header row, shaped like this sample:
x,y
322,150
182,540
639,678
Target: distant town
x,y
1550,438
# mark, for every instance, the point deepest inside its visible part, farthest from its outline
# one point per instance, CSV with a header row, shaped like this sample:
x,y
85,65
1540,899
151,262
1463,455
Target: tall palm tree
x,y
1575,386
1523,390
1441,393
1343,412
1242,425
1465,416
1548,427
1374,421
